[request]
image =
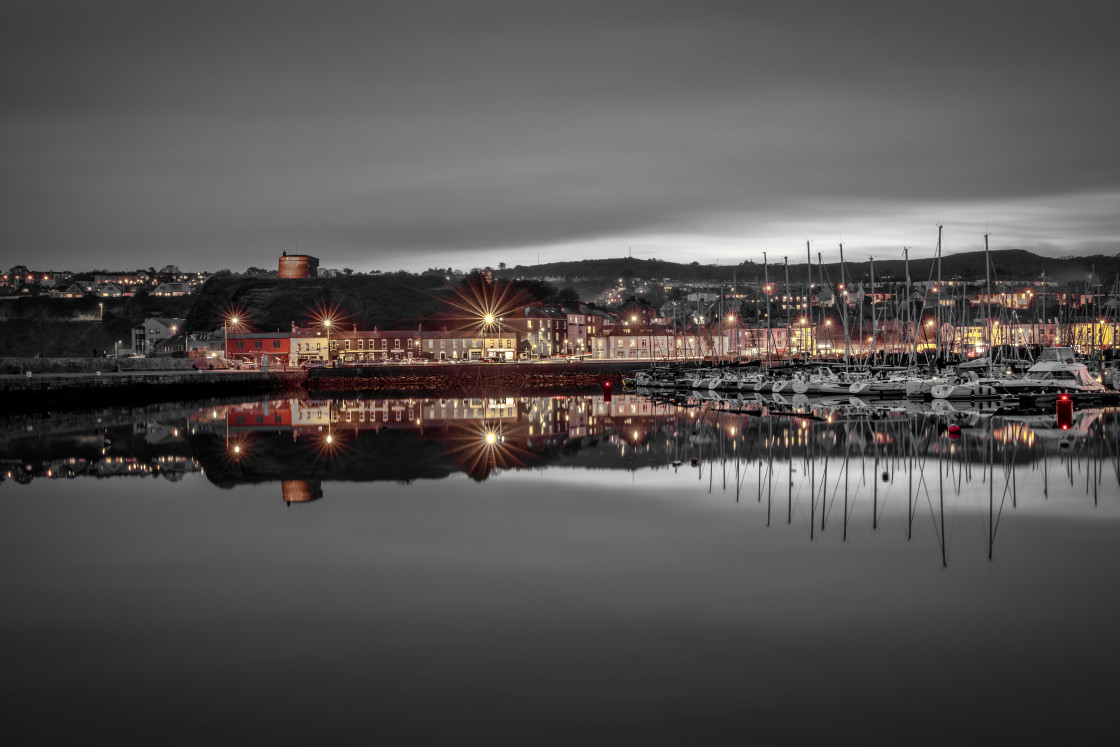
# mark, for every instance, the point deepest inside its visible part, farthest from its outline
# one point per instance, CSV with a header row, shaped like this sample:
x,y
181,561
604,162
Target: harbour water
x,y
558,570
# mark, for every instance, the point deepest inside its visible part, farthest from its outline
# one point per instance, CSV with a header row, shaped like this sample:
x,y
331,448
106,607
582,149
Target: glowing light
x,y
491,437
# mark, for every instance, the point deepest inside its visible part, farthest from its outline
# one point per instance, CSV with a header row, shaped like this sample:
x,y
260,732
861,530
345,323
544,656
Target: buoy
x,y
954,431
886,476
694,462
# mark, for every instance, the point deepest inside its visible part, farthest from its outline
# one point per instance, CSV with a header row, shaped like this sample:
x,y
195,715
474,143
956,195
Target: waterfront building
x,y
363,346
152,330
457,346
260,348
308,344
541,331
653,342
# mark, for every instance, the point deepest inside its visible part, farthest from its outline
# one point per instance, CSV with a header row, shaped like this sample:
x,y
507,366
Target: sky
x,y
385,135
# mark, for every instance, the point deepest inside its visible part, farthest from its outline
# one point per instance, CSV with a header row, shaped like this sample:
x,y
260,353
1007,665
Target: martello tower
x,y
298,266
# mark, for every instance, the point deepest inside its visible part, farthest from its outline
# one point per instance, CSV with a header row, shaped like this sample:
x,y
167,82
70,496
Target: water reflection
x,y
808,462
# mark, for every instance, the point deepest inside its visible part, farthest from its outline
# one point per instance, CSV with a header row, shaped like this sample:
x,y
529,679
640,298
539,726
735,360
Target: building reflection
x,y
302,443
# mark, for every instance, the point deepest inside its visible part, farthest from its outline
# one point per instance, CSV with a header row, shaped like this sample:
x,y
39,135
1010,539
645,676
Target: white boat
x,y
823,381
1056,370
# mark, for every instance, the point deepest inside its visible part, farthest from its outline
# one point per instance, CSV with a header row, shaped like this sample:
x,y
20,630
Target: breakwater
x,y
38,392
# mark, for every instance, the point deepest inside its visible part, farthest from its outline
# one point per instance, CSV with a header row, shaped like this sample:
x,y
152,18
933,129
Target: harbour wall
x,y
40,392
523,378
91,365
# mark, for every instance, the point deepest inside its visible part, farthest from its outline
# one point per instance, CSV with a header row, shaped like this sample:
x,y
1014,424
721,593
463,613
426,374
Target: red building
x,y
261,348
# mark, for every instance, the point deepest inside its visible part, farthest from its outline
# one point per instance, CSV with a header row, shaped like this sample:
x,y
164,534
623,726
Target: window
x,y
318,345
347,344
258,344
530,324
442,343
275,344
397,344
359,344
384,343
431,343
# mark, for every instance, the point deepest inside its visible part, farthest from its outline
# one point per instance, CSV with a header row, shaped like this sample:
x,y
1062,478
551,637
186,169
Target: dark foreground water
x,y
539,571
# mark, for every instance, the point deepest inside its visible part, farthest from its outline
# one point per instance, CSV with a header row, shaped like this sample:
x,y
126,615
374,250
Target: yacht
x,y
1056,370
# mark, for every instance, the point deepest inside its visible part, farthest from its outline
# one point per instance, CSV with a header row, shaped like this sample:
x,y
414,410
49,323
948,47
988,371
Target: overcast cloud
x,y
386,135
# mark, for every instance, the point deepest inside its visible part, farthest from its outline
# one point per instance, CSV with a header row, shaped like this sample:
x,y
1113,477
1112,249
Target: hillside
x,y
1008,263
388,301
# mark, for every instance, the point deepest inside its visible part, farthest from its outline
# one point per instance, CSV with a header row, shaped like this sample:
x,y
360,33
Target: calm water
x,y
558,570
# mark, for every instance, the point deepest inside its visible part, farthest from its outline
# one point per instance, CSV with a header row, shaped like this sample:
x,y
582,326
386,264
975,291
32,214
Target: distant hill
x,y
1009,264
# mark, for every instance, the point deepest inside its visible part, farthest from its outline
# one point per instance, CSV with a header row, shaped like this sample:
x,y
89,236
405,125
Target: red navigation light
x,y
1064,412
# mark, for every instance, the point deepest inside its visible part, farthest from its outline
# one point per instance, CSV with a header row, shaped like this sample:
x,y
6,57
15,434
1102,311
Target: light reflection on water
x,y
554,569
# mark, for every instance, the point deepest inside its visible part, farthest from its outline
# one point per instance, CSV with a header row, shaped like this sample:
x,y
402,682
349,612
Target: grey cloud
x,y
373,130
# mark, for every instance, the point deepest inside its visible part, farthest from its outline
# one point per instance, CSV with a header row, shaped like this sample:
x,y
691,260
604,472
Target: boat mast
x,y
988,313
809,295
1040,311
765,286
789,341
820,273
909,319
874,326
844,316
937,355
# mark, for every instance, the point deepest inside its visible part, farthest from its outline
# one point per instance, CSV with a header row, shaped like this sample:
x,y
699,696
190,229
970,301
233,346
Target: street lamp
x,y
100,311
226,323
327,326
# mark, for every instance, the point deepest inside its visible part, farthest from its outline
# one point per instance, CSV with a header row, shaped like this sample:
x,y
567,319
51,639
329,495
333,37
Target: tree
x,y
347,271
568,296
501,265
